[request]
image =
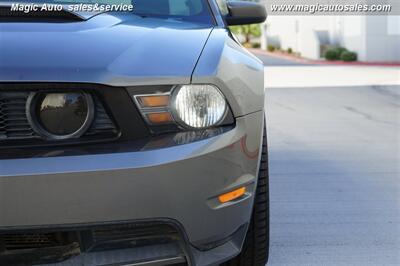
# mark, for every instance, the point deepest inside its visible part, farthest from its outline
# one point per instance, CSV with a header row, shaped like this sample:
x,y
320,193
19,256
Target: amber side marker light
x,y
159,118
154,101
232,195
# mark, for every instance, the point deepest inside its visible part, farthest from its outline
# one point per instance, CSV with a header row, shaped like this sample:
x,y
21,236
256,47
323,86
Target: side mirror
x,y
242,13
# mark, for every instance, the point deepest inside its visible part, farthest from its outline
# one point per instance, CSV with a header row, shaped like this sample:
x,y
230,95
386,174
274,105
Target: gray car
x,y
131,138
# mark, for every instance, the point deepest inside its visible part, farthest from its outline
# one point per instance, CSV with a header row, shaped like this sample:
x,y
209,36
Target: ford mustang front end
x,y
132,138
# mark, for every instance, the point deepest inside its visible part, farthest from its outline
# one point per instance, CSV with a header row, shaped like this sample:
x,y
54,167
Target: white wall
x,y
309,45
298,32
373,38
352,35
285,28
382,38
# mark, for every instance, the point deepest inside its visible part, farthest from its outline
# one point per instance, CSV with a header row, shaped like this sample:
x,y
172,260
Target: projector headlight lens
x,y
61,115
198,106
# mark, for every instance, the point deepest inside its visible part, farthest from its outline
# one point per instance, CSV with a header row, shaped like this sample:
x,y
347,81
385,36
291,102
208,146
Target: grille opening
x,y
15,126
28,248
13,120
130,236
11,242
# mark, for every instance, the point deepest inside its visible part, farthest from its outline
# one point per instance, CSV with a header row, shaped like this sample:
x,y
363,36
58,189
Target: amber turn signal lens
x,y
154,101
159,118
232,195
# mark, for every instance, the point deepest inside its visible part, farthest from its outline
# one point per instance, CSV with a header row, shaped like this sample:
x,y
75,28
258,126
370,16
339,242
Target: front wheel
x,y
255,249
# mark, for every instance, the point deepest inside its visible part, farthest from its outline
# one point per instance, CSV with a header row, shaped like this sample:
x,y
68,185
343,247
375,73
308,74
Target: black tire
x,y
255,249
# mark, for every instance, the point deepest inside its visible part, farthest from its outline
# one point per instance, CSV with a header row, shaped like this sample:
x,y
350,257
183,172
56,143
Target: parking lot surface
x,y
335,175
270,60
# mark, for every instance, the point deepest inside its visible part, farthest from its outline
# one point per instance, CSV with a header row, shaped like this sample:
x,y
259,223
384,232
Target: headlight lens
x,y
61,115
198,106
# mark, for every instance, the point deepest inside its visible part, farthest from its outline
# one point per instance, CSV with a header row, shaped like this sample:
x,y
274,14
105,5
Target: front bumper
x,y
179,183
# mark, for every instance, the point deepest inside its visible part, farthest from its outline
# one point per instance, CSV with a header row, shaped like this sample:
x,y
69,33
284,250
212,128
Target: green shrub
x,y
247,31
247,45
271,48
256,45
290,50
332,54
348,56
340,50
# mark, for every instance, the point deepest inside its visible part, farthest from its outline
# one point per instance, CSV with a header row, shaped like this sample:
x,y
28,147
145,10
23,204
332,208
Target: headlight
x,y
198,106
191,107
61,115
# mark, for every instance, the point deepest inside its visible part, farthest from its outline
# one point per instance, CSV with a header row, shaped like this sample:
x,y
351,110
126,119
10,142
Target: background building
x,y
373,38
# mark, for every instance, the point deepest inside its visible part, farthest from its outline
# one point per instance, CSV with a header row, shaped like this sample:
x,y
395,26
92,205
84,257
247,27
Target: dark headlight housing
x,y
193,107
60,115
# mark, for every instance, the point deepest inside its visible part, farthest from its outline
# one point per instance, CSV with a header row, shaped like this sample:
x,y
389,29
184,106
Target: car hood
x,y
107,48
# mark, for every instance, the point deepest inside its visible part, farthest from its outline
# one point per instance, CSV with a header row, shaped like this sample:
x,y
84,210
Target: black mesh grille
x,y
102,122
28,241
49,246
13,120
14,124
134,232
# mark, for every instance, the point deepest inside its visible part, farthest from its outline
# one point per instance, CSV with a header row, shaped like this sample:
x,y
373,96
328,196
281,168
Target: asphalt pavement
x,y
269,60
334,175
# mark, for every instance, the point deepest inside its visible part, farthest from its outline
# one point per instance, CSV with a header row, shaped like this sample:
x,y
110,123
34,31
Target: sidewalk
x,y
330,76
